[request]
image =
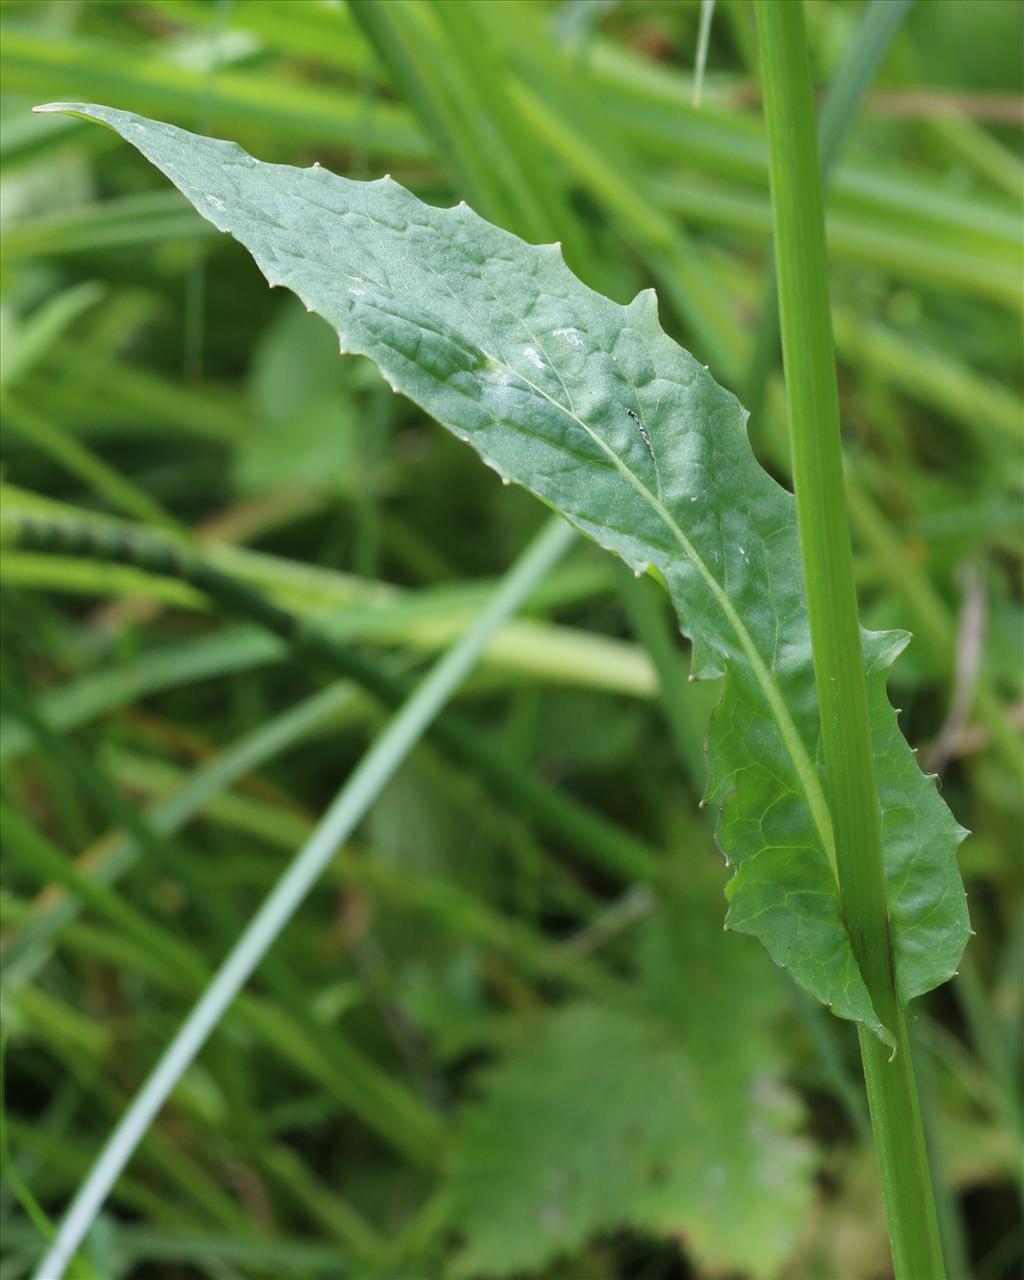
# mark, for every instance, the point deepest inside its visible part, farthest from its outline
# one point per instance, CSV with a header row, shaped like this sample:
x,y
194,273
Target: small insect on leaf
x,y
647,443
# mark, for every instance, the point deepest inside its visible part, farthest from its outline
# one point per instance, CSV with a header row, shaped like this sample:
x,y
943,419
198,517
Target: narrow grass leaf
x,y
346,810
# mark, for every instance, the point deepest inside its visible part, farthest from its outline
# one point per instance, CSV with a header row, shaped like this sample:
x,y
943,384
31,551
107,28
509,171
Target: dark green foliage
x,y
467,944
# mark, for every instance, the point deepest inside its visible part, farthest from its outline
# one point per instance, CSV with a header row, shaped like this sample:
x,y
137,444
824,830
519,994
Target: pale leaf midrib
x,y
813,792
809,781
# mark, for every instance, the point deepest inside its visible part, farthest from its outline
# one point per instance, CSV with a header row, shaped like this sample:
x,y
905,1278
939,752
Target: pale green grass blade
x,y
707,10
323,33
130,220
24,956
344,813
268,105
77,458
29,343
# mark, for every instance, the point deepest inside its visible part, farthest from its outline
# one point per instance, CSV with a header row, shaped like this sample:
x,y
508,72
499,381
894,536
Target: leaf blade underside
x,y
591,406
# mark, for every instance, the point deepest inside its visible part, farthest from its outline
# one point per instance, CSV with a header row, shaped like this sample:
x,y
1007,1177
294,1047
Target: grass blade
x,y
348,808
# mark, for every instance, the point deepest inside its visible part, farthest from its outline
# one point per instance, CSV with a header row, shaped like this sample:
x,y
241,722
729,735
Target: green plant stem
x,y
347,809
839,109
809,363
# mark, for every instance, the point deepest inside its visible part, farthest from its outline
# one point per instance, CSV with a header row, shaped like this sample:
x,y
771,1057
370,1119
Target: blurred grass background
x,y
486,1047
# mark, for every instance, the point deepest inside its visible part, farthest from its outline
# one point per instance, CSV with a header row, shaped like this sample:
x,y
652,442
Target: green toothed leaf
x,y
592,407
668,1117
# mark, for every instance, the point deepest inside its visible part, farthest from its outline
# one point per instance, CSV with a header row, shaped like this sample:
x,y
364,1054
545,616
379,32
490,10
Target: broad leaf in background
x,y
309,412
666,1117
305,419
591,406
